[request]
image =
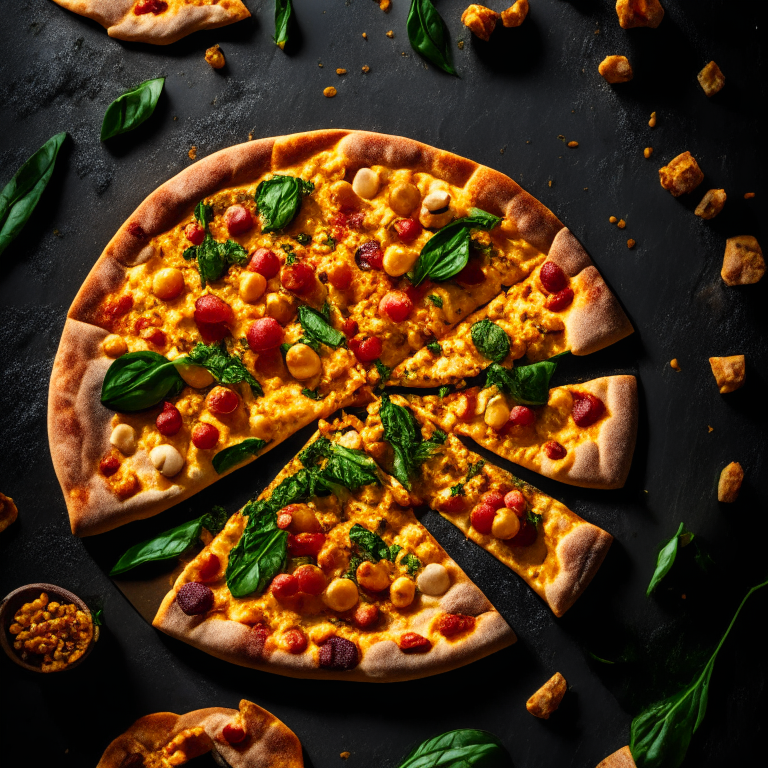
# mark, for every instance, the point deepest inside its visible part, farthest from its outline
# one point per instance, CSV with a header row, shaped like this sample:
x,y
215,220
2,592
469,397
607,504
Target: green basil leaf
x,y
22,193
215,520
346,467
660,735
371,544
164,546
225,368
526,384
256,560
204,214
384,371
211,263
667,555
237,454
283,12
139,380
279,199
428,35
411,563
317,328
131,109
463,748
233,253
491,340
446,253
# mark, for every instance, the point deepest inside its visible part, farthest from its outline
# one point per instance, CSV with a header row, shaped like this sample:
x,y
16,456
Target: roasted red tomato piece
x,y
412,642
452,624
552,277
587,409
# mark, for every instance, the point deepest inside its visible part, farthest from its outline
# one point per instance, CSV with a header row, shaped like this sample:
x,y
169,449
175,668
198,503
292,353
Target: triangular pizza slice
x,y
329,574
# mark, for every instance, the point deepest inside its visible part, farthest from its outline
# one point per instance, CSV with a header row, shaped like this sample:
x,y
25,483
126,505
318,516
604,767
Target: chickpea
x,y
434,580
366,183
279,307
496,412
342,193
403,198
195,376
398,260
168,283
303,362
430,220
123,437
373,576
436,200
402,592
304,519
252,287
341,595
114,345
166,460
506,524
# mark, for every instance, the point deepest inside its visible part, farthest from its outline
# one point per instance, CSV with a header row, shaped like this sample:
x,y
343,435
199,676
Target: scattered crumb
x,y
550,182
547,699
365,35
749,195
729,372
319,63
366,69
573,144
621,224
329,92
711,79
631,243
612,219
681,175
57,233
515,15
344,755
503,149
192,153
385,5
615,69
175,118
215,57
250,136
528,141
341,71
586,188
390,34
461,45
652,121
683,597
674,364
710,429
711,204
743,262
597,31
730,482
480,21
647,152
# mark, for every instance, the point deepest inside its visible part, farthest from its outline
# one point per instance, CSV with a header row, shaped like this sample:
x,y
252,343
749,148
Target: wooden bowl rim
x,y
15,599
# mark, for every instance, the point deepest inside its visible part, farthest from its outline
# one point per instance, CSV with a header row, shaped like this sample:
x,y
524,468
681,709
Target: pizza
x,y
550,547
275,282
244,738
157,21
329,574
583,434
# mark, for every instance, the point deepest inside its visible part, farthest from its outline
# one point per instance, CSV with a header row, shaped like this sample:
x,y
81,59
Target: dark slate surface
x,y
516,96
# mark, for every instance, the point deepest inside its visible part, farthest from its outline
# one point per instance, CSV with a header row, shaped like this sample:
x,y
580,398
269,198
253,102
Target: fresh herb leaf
x,y
279,199
237,454
347,467
446,253
428,35
225,368
317,328
666,557
435,347
371,545
443,391
660,735
457,490
256,559
436,300
490,339
97,615
526,384
475,469
204,214
533,518
131,109
394,551
411,563
215,520
139,380
283,12
233,253
312,394
303,239
330,242
464,748
351,573
22,193
384,371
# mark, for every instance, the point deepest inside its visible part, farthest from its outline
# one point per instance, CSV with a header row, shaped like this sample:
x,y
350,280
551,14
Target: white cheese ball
x,y
166,460
434,580
366,183
436,200
123,437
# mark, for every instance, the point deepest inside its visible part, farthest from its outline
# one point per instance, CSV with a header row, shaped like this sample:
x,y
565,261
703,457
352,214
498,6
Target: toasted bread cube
x,y
711,204
547,699
729,372
615,69
639,13
480,20
515,15
621,759
743,263
730,482
681,175
711,79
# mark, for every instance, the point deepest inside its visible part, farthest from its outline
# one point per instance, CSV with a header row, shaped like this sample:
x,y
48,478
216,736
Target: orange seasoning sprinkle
x,y
621,224
652,121
612,219
341,71
674,364
192,153
329,92
366,69
390,34
749,195
631,243
647,152
573,144
365,35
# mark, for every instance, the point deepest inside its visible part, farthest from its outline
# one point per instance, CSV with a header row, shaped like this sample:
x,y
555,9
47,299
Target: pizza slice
x,y
551,548
581,434
563,305
157,21
328,574
243,738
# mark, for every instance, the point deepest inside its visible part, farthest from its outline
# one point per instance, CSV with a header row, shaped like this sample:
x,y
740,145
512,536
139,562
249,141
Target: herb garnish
x,y
283,13
131,109
526,384
457,490
475,469
436,300
237,454
464,748
303,238
317,326
279,199
443,391
435,347
312,394
428,35
384,371
371,545
330,242
411,563
490,339
225,368
667,555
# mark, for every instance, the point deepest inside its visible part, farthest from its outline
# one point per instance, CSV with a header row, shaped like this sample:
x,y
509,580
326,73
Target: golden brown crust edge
x,y
117,18
622,758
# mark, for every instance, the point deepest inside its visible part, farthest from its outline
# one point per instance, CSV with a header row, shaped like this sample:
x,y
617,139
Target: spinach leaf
x,y
131,109
526,384
464,748
429,35
139,380
215,520
436,300
667,555
237,454
490,339
258,557
283,12
279,199
457,490
411,563
443,391
372,545
446,253
225,368
346,467
351,573
317,328
475,469
384,371
660,735
204,214
533,518
22,193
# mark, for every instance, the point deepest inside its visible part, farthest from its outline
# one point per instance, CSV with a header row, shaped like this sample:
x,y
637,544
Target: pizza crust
x,y
180,20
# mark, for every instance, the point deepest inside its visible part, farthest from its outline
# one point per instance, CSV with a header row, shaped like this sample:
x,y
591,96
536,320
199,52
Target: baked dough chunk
x,y
729,372
547,699
8,511
244,738
729,485
157,21
743,262
619,759
639,13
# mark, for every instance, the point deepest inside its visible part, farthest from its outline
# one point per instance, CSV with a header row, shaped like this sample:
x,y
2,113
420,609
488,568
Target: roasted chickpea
x,y
123,437
496,412
373,576
398,260
279,307
168,283
114,345
366,183
403,198
196,376
343,194
430,220
252,287
303,362
506,524
341,595
402,592
304,519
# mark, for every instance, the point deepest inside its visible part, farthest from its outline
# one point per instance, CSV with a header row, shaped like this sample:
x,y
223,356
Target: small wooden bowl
x,y
27,594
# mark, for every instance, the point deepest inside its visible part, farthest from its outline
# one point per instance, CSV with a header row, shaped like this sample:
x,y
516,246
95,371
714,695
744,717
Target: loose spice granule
x,y
621,224
652,121
647,152
329,92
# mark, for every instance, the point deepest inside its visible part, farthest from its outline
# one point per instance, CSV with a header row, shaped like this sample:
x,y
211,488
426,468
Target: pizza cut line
x,y
276,281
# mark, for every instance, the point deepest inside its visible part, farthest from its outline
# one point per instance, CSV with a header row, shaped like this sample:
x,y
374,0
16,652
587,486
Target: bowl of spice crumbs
x,y
45,628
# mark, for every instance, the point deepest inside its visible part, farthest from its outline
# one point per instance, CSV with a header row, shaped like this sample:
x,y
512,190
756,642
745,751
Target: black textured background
x,y
516,96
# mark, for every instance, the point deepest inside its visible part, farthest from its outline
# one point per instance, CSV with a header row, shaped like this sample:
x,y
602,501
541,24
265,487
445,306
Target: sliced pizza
x,y
157,21
329,574
244,738
583,435
563,305
550,547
